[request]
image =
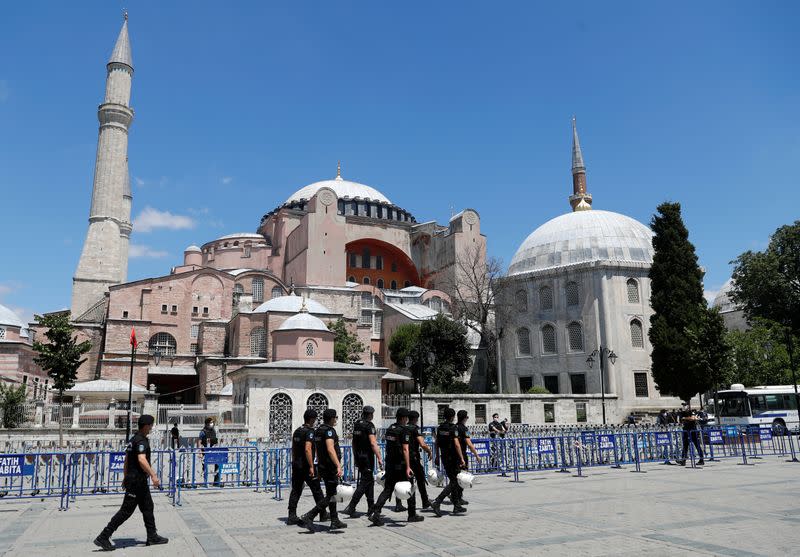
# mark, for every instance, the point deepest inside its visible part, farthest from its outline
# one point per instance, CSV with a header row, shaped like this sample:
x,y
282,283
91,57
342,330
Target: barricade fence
x,y
266,467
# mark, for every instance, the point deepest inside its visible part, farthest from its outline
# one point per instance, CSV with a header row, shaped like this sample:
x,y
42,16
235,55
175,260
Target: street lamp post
x,y
602,352
418,379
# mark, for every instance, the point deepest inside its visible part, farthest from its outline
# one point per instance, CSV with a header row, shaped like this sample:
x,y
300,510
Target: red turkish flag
x,y
134,343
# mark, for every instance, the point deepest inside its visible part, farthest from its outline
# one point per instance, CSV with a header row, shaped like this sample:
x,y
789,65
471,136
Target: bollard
x,y
578,460
637,462
563,469
744,452
516,464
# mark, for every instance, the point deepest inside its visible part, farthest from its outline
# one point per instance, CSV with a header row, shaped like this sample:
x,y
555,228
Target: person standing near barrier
x,y
303,472
663,418
496,429
465,442
417,442
398,467
175,436
329,468
450,456
365,452
208,438
690,435
137,493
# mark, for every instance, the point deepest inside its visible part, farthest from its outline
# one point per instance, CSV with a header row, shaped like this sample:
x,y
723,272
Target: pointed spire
x,y
303,308
122,49
580,200
339,170
577,156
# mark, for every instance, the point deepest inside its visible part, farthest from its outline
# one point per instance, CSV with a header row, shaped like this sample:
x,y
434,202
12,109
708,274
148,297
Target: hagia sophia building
x,y
249,313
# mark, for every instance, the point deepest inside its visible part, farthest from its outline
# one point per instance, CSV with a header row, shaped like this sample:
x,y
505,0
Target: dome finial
x,y
339,170
125,14
303,308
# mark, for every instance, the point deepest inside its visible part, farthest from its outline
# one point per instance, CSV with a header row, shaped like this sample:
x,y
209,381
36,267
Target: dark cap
x,y
462,414
402,413
368,410
449,413
146,419
309,415
328,414
413,415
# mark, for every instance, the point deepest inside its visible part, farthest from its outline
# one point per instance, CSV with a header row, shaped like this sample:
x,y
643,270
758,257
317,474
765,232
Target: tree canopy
x,y
11,399
60,357
759,355
346,346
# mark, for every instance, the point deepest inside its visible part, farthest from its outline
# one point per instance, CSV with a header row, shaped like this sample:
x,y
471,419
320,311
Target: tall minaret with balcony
x,y
104,259
579,200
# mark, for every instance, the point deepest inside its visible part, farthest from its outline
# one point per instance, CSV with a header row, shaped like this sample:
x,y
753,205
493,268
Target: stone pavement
x,y
724,509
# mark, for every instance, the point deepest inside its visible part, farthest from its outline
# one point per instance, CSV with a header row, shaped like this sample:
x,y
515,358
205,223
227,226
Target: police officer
x,y
137,493
175,436
365,451
329,467
417,442
496,428
398,467
208,438
450,456
303,471
465,442
690,434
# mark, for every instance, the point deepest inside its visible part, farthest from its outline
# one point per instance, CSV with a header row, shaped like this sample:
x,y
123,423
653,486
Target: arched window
x,y
394,285
258,342
238,289
318,402
280,415
309,348
164,343
352,405
521,298
545,298
366,280
435,303
523,341
380,283
351,278
637,334
573,294
365,259
277,291
408,283
258,289
633,291
549,345
575,334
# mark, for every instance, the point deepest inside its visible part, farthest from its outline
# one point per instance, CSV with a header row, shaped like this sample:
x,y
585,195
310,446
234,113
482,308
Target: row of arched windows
x,y
280,411
572,296
574,338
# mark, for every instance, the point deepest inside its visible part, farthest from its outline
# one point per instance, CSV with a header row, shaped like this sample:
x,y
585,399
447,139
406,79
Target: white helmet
x,y
403,490
435,478
465,479
344,492
379,477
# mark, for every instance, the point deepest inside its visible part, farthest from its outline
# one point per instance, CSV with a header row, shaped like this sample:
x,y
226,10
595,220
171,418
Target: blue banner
x,y
607,442
116,462
662,439
14,465
230,468
482,447
547,445
731,431
715,437
216,456
587,437
765,433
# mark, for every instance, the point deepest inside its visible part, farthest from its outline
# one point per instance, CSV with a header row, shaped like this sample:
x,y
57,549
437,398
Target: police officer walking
x,y
365,452
417,442
398,467
208,438
303,472
465,443
449,455
329,467
137,493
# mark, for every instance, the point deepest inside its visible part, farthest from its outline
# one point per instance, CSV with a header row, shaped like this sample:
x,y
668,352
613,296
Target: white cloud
x,y
5,90
709,295
139,182
140,250
150,219
226,180
5,289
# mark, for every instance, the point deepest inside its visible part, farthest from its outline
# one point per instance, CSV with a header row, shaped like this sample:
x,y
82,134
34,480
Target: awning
x,y
171,370
395,377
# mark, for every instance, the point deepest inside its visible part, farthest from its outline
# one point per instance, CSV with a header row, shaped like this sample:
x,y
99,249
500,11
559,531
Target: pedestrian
x,y
466,443
137,493
365,453
329,468
417,442
631,419
449,455
398,467
303,472
208,438
175,436
663,418
690,434
496,429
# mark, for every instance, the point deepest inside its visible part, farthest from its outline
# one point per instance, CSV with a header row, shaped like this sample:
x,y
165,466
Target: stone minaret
x,y
579,200
104,259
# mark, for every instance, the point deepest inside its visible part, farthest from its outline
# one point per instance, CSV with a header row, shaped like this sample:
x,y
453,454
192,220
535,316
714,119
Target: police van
x,y
772,405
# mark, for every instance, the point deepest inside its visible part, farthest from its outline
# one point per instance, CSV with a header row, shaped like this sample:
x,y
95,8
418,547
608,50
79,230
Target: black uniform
x,y
364,460
301,471
137,491
446,434
463,435
496,428
690,434
327,469
175,437
396,437
416,463
208,438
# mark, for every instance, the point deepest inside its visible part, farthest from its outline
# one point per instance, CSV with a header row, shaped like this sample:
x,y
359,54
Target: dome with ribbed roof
x,y
9,318
303,321
584,237
291,304
344,189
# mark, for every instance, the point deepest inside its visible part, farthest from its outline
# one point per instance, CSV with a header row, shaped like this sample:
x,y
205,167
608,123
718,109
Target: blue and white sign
x,y
587,437
607,442
547,445
482,447
14,465
765,433
116,462
216,456
715,437
230,468
731,431
662,439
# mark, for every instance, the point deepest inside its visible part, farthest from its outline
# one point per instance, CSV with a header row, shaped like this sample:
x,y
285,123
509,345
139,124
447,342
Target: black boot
x,y
459,509
155,539
104,543
292,519
350,511
324,516
415,518
337,524
399,508
306,521
375,518
435,507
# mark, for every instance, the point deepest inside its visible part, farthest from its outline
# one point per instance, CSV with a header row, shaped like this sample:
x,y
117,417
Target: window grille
x,y
258,290
318,402
545,298
640,384
523,341
165,342
352,404
280,415
575,333
549,413
633,291
277,292
521,299
573,294
516,413
258,342
480,413
637,336
309,349
195,330
549,340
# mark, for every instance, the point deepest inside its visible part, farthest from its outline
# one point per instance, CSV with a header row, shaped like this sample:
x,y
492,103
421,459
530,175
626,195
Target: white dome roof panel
x,y
8,317
343,188
303,322
291,304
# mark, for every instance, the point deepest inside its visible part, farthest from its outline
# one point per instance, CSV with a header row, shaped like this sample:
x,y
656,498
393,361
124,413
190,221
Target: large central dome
x,y
344,189
584,237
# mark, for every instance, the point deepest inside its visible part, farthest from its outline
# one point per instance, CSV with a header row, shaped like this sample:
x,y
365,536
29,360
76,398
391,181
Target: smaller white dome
x,y
8,317
303,321
192,248
722,300
291,304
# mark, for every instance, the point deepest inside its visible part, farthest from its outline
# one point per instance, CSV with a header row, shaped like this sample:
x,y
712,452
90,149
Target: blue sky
x,y
436,104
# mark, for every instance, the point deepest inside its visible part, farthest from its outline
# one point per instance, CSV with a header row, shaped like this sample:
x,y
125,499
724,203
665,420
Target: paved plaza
x,y
724,509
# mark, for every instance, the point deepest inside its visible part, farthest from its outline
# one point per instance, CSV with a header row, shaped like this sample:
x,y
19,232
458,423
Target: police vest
x,y
445,434
396,436
300,437
413,442
321,436
362,429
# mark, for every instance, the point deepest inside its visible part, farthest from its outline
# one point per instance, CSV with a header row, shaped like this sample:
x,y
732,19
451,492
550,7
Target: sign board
x,y
765,433
547,445
116,462
662,439
587,437
230,468
607,442
715,437
482,447
14,465
216,456
731,430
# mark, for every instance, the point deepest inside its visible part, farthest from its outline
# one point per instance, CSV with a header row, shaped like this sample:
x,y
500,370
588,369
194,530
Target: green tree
x,y
60,357
538,390
11,400
403,343
689,352
758,355
346,346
